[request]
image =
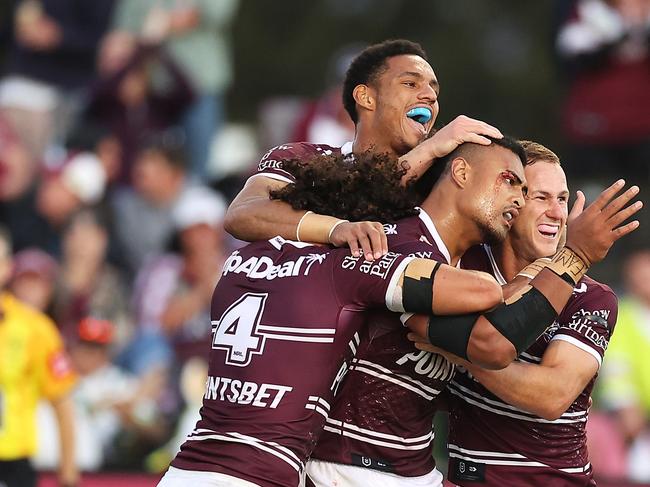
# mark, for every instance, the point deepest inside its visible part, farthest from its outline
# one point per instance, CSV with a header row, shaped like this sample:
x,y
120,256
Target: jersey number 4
x,y
236,330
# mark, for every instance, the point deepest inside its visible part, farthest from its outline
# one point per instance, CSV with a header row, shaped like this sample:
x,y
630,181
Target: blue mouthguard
x,y
419,114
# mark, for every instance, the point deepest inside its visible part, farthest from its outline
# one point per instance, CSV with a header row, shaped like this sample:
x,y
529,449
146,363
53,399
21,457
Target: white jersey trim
x,y
376,438
271,447
404,381
582,346
529,358
497,272
501,408
426,219
271,175
509,459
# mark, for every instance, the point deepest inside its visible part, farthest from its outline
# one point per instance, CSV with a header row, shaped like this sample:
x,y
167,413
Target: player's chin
x,y
545,247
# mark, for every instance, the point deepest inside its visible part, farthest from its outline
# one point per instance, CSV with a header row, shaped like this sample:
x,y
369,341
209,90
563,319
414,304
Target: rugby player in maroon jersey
x,y
275,368
391,93
379,429
525,424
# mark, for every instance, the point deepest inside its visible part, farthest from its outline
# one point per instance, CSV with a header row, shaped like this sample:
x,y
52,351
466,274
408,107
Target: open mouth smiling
x,y
548,230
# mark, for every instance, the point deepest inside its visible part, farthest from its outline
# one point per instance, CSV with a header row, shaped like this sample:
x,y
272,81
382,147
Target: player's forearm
x,y
417,161
495,338
533,388
259,218
64,411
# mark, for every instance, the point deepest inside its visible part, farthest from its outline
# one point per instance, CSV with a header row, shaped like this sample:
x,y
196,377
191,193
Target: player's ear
x,y
364,97
460,171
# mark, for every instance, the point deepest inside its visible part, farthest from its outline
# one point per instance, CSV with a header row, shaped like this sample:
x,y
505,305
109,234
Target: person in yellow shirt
x,y
625,386
33,365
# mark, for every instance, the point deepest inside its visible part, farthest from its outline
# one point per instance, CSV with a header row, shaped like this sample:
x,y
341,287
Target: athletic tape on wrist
x,y
300,223
315,228
534,268
329,235
568,265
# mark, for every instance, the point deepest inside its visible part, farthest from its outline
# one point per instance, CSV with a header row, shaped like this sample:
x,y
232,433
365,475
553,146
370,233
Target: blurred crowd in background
x,y
127,126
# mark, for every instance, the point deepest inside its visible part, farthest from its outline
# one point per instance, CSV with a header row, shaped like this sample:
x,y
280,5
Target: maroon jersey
x,y
382,418
271,164
283,314
494,443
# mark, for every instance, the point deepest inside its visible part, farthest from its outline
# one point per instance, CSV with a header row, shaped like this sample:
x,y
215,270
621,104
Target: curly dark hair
x,y
367,189
371,63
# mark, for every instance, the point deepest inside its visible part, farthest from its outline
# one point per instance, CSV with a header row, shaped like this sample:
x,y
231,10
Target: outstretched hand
x,y
592,232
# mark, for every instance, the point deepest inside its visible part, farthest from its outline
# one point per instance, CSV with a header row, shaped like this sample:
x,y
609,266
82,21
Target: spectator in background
x,y
33,365
325,120
17,168
197,35
88,285
94,137
18,183
158,180
124,99
33,279
605,45
174,291
625,378
50,63
78,182
108,402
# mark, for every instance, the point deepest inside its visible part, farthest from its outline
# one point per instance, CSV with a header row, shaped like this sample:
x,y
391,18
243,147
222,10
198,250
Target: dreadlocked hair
x,y
369,188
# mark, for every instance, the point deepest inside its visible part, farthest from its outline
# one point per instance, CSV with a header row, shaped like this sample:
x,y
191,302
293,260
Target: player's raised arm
x,y
442,142
514,325
254,215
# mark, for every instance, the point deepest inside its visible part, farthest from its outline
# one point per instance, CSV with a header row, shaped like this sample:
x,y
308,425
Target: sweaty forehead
x,y
406,64
495,159
546,177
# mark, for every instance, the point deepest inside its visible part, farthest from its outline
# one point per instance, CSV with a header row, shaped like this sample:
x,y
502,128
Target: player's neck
x,y
507,261
457,231
365,140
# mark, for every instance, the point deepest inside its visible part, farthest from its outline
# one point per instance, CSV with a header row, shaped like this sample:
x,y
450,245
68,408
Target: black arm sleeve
x,y
520,322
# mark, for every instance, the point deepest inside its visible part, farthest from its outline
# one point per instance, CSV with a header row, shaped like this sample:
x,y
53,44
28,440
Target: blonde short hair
x,y
537,152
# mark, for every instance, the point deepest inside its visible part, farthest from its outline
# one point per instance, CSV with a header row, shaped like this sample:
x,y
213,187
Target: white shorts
x,y
175,477
326,474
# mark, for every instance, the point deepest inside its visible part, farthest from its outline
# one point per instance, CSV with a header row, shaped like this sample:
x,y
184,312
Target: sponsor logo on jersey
x,y
390,228
466,470
582,288
378,268
264,268
373,463
270,164
550,332
422,255
431,365
245,392
582,321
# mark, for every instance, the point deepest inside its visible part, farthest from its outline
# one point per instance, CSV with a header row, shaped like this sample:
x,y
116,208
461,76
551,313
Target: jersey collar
x,y
495,268
433,233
